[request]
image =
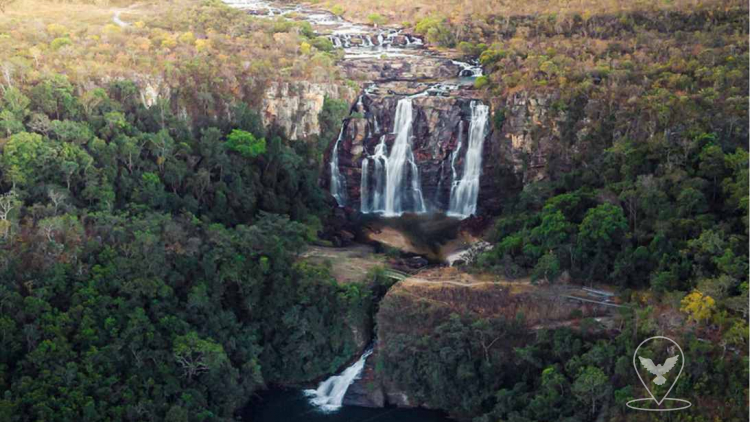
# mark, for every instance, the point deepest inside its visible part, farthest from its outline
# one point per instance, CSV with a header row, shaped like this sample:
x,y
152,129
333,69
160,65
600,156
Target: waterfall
x,y
337,180
468,70
380,157
396,174
363,187
455,152
330,393
400,157
464,192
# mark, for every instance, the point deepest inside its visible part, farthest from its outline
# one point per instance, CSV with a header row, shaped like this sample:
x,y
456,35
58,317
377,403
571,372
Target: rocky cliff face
x,y
294,106
412,311
440,119
530,136
520,146
399,68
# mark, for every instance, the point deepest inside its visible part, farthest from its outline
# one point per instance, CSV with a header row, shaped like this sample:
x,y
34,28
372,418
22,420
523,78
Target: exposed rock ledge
x,y
294,106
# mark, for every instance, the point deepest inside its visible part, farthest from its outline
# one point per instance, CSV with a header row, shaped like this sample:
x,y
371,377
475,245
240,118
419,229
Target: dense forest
x,y
144,262
644,188
151,227
148,267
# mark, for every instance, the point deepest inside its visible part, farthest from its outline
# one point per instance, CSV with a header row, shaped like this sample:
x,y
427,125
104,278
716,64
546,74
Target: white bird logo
x,y
659,370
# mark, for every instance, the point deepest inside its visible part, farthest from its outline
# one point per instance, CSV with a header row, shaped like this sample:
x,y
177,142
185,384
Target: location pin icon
x,y
646,368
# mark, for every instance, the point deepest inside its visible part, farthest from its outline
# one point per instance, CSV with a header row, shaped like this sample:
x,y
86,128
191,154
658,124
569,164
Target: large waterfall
x,y
465,191
330,393
338,189
397,186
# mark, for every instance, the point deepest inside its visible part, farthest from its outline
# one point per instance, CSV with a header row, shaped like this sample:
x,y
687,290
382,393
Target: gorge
x,y
371,211
412,141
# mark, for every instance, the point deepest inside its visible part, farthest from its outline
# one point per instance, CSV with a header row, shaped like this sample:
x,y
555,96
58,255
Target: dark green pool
x,y
293,406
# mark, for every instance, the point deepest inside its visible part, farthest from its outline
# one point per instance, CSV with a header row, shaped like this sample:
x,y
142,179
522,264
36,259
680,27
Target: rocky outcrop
x,y
531,135
400,68
294,106
413,309
371,390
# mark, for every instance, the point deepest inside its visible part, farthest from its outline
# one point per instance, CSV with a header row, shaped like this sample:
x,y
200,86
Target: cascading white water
x,y
456,151
364,188
380,157
400,157
330,393
468,70
464,192
337,180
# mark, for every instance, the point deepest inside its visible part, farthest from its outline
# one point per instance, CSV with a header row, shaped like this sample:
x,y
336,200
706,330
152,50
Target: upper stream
x,y
381,168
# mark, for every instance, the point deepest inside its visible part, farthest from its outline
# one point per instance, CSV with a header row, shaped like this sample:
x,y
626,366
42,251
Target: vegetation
x,y
197,57
151,227
641,151
138,252
474,353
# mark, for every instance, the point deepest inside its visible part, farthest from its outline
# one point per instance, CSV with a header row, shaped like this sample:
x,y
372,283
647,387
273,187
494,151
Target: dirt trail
x,y
348,264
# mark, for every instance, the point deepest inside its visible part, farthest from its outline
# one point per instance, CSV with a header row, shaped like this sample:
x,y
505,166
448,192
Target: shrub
x,y
322,44
376,19
59,43
245,143
481,82
436,31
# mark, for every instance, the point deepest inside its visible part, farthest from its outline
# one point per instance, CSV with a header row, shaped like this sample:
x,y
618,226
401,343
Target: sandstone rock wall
x,y
294,106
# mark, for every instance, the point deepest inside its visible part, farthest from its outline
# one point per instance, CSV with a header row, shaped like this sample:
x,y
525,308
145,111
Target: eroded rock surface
x,y
294,106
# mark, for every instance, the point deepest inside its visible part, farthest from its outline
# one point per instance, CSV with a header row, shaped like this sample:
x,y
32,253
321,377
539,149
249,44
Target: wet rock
x,y
370,390
417,262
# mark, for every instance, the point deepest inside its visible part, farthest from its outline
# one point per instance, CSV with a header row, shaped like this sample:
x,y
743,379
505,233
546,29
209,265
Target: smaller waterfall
x,y
455,152
464,192
364,188
380,157
338,189
330,393
468,70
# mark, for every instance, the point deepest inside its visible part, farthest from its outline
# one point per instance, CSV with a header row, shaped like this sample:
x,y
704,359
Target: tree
x,y
8,203
600,235
196,355
24,158
591,385
55,97
376,19
698,306
245,143
547,268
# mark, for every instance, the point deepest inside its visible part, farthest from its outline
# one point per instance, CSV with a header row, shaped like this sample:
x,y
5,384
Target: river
x,y
295,406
